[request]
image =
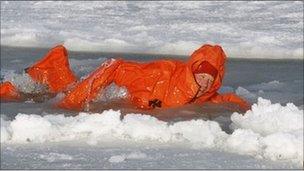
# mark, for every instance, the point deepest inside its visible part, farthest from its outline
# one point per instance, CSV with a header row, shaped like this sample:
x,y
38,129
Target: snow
x,y
22,126
269,131
244,29
244,141
266,118
199,132
270,135
273,127
289,143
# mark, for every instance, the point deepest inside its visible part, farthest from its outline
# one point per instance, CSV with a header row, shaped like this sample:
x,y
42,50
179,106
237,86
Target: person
x,y
155,84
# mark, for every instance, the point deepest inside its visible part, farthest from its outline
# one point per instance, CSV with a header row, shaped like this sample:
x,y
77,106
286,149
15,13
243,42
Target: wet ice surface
x,y
136,156
179,138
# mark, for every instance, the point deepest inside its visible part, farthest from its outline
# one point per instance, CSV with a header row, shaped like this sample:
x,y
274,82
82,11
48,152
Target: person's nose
x,y
203,84
209,84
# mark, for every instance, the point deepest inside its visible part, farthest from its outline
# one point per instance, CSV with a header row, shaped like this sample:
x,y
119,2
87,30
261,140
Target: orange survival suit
x,y
161,83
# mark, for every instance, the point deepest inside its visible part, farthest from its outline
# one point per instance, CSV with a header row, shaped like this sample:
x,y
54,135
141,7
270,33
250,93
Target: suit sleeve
x,y
230,98
89,88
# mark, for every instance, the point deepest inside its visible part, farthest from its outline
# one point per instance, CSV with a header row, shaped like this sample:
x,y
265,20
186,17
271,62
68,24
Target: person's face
x,y
205,81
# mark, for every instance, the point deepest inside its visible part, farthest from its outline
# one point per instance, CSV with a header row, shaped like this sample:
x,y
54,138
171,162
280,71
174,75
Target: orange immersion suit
x,y
161,83
53,70
8,92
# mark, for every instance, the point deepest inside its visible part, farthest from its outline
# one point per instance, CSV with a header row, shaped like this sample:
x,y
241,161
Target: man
x,y
161,83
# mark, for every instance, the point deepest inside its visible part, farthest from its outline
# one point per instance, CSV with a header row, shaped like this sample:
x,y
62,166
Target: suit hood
x,y
215,56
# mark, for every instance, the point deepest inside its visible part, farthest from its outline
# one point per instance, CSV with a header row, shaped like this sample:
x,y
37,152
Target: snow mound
x,y
94,128
268,131
266,118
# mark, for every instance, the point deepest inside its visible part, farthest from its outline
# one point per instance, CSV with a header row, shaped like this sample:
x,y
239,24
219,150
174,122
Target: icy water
x,y
40,136
269,136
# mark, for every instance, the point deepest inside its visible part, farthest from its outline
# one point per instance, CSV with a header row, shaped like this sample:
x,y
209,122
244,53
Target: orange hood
x,y
215,56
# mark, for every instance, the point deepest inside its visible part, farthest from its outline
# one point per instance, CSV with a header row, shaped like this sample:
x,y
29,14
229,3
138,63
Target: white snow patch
x,y
140,127
107,45
199,132
276,131
179,47
244,141
266,118
30,128
284,145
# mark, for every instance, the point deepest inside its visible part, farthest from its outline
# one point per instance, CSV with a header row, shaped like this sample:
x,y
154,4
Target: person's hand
x,y
205,82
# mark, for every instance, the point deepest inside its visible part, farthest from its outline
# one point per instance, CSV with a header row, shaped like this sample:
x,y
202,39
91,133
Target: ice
x,y
27,128
266,118
5,130
276,129
53,157
39,136
284,145
82,67
200,133
133,127
142,127
270,131
179,47
245,93
136,155
117,158
268,86
244,29
23,82
244,141
277,91
112,92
